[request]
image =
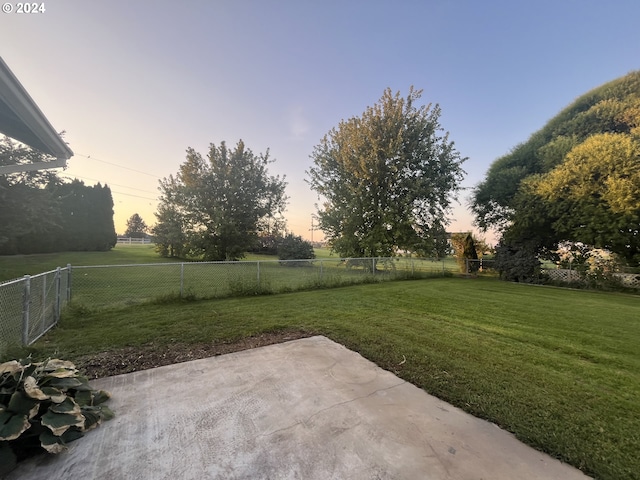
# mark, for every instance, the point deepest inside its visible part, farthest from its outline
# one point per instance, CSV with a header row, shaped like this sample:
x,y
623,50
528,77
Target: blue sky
x,y
134,83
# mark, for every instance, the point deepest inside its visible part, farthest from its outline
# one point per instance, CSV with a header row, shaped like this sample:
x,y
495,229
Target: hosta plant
x,y
44,405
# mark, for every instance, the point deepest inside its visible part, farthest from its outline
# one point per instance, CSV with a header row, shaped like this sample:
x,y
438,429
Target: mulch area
x,y
151,355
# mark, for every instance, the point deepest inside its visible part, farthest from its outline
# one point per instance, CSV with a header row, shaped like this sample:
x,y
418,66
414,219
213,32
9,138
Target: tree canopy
x,y
170,228
216,208
39,212
577,179
136,227
294,247
387,179
594,195
26,207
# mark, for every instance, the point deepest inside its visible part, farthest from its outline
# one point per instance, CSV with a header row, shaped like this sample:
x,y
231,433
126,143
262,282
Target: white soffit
x,y
22,120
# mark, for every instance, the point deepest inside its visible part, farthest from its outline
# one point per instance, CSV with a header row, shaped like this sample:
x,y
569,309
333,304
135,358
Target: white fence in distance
x,y
133,241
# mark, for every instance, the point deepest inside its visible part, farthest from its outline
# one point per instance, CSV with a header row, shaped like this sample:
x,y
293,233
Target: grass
x,y
138,282
557,367
15,266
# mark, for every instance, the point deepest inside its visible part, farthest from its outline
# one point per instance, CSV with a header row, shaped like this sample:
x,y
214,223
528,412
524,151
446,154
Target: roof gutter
x,y
25,122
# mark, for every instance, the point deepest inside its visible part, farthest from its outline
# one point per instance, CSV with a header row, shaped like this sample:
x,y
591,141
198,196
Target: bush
x,y
293,247
517,263
44,406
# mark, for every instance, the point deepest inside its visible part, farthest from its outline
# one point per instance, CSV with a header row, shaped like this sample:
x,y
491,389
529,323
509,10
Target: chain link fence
x,y
122,285
480,266
31,305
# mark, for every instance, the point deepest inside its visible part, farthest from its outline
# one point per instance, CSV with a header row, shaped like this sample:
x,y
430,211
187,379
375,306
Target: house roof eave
x,y
22,120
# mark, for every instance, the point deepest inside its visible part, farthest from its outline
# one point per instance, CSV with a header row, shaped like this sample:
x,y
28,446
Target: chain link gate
x,y
30,306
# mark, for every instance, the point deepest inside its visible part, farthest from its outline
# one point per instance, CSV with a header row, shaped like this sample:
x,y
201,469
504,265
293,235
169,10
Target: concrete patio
x,y
305,409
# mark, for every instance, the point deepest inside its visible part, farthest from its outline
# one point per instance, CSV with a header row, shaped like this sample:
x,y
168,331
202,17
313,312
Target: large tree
x,y
593,197
136,227
41,213
387,179
223,202
86,218
577,179
26,206
169,232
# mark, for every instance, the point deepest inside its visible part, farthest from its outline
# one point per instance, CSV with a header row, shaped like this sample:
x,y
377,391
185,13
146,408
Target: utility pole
x,y
312,226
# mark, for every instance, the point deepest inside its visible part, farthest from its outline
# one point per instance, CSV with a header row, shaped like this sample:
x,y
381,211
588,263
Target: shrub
x,y
44,406
293,247
517,263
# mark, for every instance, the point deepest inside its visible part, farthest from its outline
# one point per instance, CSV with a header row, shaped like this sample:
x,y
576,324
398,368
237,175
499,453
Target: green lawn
x,y
130,279
144,283
559,368
128,285
15,266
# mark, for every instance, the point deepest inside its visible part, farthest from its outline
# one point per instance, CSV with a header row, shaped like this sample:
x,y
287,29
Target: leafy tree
x,y
294,247
574,180
223,202
592,197
611,108
270,234
26,207
41,213
387,178
136,227
169,231
517,261
86,218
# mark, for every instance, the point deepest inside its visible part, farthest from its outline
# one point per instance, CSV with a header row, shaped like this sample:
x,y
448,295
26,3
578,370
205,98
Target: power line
x,y
132,195
109,183
116,165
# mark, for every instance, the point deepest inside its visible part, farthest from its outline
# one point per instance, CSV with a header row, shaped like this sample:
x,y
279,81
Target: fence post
x,y
258,264
26,300
43,317
56,314
373,266
181,279
321,262
69,278
570,270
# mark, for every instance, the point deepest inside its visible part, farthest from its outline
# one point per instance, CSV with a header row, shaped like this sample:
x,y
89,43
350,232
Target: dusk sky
x,y
135,83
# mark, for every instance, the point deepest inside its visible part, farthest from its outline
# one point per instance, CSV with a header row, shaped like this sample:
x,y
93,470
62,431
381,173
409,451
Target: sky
x,y
135,83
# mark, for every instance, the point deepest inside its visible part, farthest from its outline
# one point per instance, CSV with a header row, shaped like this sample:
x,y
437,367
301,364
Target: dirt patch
x,y
151,355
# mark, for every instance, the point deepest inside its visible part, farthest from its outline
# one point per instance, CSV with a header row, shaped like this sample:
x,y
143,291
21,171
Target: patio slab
x,y
305,409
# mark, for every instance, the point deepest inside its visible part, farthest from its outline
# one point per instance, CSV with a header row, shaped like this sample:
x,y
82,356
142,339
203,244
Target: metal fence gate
x,y
31,305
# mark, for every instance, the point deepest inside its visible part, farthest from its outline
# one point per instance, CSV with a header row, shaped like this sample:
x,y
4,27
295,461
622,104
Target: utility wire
x,y
116,165
108,183
132,195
